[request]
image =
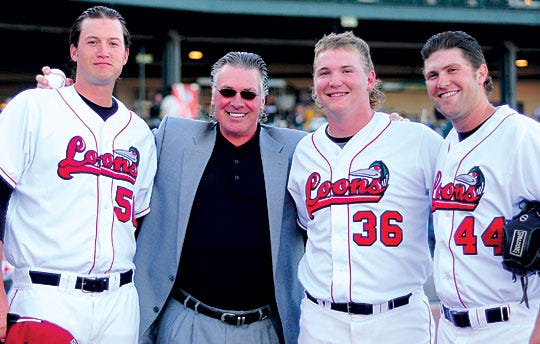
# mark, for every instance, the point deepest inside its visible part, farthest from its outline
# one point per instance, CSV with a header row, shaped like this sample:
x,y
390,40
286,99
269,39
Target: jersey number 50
x,y
391,233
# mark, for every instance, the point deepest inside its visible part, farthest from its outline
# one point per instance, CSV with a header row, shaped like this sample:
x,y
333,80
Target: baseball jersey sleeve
x,y
428,150
16,132
300,164
146,180
527,148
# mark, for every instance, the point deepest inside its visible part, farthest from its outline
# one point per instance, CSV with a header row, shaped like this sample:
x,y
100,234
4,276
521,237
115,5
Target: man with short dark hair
x,y
487,167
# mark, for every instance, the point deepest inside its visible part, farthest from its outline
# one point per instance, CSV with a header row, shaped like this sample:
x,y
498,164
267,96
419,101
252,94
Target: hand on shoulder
x,y
43,82
394,116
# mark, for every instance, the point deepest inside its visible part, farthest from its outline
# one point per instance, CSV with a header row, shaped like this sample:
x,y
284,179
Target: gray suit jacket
x,y
184,147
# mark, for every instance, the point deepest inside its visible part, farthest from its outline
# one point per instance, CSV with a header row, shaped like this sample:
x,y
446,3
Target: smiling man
x,y
217,257
487,167
361,184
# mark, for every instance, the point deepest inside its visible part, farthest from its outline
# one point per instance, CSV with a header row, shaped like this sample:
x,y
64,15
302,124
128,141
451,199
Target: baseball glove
x,y
521,245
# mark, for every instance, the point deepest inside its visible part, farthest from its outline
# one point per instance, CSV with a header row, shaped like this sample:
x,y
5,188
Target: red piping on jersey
x,y
348,207
97,185
96,231
13,298
142,211
330,168
453,211
8,176
112,186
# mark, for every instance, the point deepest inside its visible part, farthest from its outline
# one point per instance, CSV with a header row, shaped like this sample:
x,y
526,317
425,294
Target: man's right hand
x,y
42,81
394,116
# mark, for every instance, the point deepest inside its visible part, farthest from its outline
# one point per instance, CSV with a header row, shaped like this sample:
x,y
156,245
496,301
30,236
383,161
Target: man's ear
x,y
73,52
482,73
126,55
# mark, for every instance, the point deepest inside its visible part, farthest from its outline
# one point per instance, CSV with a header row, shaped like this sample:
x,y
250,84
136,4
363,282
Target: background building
x,y
284,33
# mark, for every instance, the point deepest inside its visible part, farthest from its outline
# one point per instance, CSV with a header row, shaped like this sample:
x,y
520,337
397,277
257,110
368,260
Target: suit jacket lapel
x,y
275,179
194,161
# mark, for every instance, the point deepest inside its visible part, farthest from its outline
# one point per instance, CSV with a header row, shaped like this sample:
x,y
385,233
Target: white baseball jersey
x,y
479,183
366,209
79,182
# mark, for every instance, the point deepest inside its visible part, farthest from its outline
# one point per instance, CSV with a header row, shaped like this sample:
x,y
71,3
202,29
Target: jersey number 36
x,y
391,233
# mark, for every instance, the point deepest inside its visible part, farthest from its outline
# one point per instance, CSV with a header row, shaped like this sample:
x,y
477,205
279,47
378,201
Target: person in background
x,y
154,114
76,171
537,114
361,184
486,168
317,121
297,117
217,257
170,104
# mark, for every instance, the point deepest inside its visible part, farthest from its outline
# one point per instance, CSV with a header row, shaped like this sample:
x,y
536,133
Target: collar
x,y
251,145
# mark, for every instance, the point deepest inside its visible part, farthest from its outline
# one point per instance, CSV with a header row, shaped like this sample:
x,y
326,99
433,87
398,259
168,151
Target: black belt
x,y
363,308
87,284
235,318
461,318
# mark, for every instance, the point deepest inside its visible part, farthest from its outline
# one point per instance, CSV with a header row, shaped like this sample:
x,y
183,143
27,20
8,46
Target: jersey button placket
x,y
340,250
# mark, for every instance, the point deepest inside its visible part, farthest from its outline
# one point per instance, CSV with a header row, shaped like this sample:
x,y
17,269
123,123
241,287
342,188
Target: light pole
x,y
142,59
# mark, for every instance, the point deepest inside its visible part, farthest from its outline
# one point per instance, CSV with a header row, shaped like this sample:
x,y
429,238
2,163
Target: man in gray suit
x,y
217,257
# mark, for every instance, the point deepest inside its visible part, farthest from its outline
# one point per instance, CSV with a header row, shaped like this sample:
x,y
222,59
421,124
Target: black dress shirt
x,y
226,259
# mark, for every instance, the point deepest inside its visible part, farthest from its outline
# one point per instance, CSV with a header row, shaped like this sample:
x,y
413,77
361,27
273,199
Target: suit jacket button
x,y
156,309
